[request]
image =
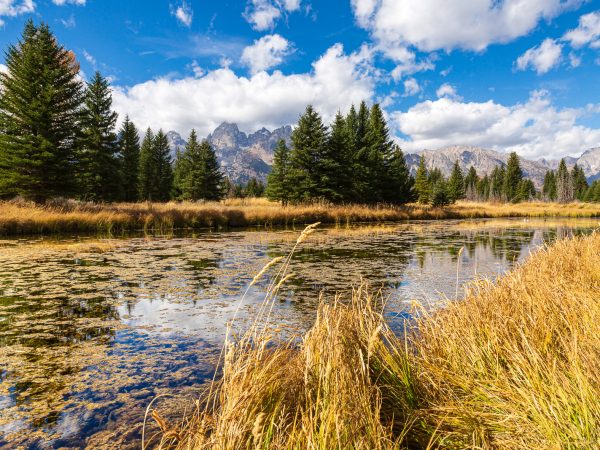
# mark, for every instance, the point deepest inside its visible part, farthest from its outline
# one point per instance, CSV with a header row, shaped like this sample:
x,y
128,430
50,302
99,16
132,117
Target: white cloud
x,y
431,25
411,87
263,14
336,81
73,2
533,129
3,68
587,33
89,58
448,91
183,13
13,8
266,52
541,58
70,22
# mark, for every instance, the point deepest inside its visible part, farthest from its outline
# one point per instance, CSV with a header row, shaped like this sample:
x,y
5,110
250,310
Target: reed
x,y
514,365
60,216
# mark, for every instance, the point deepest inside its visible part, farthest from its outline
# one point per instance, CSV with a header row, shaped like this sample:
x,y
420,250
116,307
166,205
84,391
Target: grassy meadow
x,y
514,365
21,217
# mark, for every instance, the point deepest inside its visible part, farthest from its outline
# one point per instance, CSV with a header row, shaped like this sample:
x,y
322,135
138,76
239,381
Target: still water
x,y
91,330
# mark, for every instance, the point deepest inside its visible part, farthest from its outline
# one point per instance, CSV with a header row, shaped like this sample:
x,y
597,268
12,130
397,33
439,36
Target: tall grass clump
x,y
514,365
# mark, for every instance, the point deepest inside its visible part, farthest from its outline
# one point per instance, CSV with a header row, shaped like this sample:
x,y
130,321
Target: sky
x,y
508,75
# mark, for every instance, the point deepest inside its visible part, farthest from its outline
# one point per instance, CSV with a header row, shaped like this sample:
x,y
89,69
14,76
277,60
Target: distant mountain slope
x,y
483,160
243,156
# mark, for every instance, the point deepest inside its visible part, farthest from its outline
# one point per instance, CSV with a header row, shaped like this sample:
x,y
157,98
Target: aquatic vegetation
x,y
513,365
21,217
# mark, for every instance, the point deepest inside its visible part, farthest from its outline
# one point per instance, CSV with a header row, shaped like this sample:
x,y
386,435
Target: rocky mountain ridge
x,y
243,156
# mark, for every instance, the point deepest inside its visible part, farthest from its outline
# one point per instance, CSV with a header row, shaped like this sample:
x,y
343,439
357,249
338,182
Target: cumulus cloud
x,y
411,87
533,129
183,13
13,8
448,91
266,52
336,80
587,32
541,58
263,14
3,68
430,25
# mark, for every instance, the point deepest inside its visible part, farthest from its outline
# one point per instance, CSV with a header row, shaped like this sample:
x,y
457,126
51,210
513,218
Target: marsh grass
x,y
60,216
515,365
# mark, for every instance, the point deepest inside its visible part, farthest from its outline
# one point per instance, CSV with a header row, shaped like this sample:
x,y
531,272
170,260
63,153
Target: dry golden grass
x,y
20,217
515,365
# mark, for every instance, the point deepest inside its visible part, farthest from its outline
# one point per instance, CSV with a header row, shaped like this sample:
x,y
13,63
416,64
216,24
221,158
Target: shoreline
x,y
24,218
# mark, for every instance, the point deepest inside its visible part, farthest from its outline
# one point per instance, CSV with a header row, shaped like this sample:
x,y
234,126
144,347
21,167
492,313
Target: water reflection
x,y
91,330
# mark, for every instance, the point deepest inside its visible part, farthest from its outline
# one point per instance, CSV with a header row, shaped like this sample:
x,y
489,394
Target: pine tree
x,y
564,184
337,177
309,139
549,189
497,184
579,181
378,150
254,188
197,173
129,147
100,165
525,190
456,184
163,183
40,97
360,167
484,188
422,186
278,182
471,182
354,142
512,178
439,196
399,185
147,169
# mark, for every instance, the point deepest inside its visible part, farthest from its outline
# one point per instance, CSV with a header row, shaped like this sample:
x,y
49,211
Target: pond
x,y
91,330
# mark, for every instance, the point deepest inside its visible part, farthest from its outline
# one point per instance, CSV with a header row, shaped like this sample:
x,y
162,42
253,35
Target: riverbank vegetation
x,y
62,216
514,365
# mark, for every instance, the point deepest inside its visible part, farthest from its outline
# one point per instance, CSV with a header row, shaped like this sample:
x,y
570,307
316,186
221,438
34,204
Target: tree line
x,y
58,137
351,161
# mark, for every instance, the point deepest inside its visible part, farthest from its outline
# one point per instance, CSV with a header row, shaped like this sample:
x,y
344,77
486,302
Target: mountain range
x,y
244,156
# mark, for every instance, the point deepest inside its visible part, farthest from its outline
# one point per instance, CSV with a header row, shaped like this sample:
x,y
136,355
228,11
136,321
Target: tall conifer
x,y
456,184
278,181
422,186
129,146
40,97
512,177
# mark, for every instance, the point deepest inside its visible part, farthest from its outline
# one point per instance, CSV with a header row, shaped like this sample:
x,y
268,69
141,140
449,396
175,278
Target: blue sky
x,y
504,74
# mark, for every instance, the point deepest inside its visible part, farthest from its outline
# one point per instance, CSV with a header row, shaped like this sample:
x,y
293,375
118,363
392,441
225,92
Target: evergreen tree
x,y
525,190
309,140
147,168
40,98
129,146
512,177
378,151
435,175
579,181
549,189
337,176
456,184
100,165
484,188
497,184
279,187
254,188
197,173
440,195
422,186
399,186
471,182
564,184
361,164
163,183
